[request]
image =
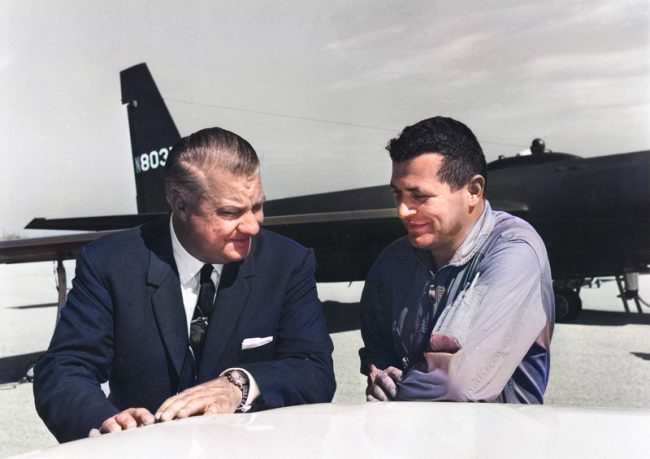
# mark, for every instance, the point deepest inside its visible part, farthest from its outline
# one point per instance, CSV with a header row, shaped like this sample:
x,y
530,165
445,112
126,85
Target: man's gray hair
x,y
203,151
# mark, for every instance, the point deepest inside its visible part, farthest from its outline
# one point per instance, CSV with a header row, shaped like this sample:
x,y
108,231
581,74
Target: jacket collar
x,y
476,237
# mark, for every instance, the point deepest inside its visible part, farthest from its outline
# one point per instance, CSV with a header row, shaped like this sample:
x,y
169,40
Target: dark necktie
x,y
202,312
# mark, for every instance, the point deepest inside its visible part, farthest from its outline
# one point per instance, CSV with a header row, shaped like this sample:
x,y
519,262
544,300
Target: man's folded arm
x,y
67,381
496,325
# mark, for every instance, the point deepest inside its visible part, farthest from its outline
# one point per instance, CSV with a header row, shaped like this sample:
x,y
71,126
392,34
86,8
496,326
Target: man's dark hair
x,y
203,151
462,155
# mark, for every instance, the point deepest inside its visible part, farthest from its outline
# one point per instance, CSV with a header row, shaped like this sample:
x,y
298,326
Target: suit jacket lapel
x,y
167,300
231,299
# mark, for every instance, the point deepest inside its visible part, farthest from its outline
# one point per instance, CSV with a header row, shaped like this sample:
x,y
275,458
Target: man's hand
x,y
127,419
381,384
443,343
442,348
213,397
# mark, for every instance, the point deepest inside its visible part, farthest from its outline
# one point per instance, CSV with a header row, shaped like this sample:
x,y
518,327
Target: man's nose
x,y
403,210
249,225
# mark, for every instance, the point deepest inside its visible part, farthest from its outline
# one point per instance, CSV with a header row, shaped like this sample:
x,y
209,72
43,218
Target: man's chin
x,y
237,252
420,242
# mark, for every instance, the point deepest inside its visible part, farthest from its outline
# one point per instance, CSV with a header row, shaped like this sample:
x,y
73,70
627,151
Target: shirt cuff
x,y
253,389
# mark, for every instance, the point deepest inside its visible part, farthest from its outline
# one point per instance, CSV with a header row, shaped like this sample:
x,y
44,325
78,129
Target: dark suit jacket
x,y
124,322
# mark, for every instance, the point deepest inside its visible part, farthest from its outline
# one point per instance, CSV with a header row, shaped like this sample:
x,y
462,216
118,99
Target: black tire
x,y
568,305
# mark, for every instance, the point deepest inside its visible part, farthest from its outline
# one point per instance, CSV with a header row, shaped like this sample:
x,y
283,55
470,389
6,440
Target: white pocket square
x,y
251,343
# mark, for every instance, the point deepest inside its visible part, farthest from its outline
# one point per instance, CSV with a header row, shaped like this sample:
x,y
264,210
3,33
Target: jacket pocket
x,y
257,354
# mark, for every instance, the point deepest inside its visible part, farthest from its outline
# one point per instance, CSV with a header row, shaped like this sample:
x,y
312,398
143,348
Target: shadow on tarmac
x,y
342,317
610,318
35,306
641,355
14,368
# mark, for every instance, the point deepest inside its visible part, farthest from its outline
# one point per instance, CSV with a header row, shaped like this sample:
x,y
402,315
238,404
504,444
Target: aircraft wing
x,y
46,248
383,430
100,223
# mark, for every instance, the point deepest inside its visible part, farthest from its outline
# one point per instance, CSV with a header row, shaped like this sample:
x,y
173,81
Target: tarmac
x,y
600,360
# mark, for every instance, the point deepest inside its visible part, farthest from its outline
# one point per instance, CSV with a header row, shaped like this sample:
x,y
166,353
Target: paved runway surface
x,y
603,359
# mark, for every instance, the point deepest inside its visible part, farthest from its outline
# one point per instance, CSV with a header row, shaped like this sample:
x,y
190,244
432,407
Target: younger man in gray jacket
x,y
462,308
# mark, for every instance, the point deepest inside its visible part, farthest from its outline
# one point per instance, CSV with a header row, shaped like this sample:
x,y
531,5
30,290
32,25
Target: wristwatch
x,y
240,380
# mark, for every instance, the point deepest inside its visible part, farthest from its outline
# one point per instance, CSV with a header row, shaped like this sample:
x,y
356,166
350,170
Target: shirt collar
x,y
187,265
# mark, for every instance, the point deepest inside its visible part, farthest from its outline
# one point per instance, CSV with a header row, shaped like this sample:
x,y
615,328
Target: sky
x,y
318,88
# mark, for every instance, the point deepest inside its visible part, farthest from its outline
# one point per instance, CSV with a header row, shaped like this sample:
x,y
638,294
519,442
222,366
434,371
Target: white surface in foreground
x,y
382,430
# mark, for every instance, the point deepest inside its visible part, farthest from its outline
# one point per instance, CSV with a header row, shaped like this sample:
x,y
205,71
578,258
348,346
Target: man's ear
x,y
180,206
476,188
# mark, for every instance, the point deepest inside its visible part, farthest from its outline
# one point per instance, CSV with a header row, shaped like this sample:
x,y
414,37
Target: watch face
x,y
239,377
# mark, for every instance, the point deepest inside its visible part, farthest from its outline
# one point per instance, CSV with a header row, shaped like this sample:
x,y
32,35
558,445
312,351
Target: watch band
x,y
240,380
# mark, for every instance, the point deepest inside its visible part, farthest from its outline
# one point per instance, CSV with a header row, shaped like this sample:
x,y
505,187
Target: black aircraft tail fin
x,y
153,133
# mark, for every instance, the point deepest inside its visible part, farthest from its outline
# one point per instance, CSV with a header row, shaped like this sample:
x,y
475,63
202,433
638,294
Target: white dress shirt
x,y
189,273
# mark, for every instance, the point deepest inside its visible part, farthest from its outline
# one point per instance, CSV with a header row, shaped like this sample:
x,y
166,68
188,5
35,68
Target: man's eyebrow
x,y
411,189
229,207
414,189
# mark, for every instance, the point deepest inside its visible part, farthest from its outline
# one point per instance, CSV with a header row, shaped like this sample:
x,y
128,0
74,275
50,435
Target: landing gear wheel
x,y
567,305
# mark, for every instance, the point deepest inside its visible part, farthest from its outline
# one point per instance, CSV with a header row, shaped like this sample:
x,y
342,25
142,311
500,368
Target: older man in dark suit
x,y
201,313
